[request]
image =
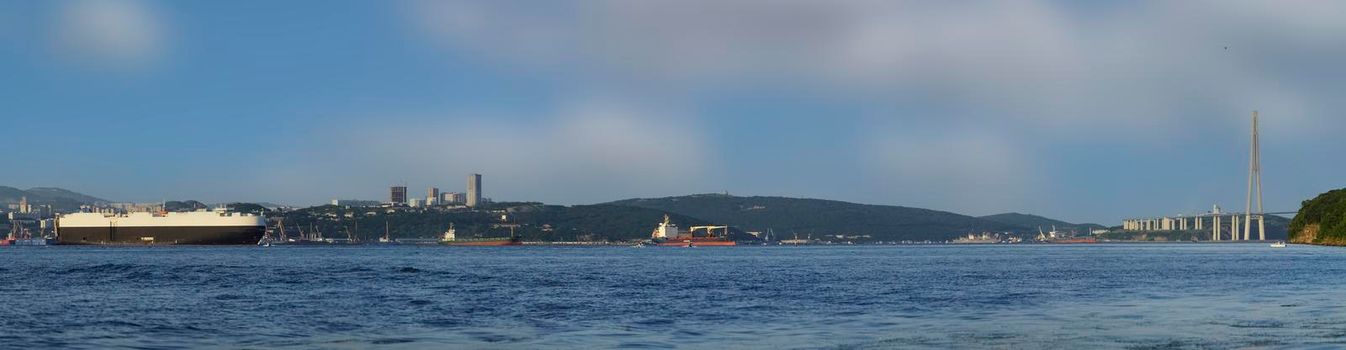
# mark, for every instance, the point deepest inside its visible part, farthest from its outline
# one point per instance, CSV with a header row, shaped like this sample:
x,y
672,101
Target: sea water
x,y
998,296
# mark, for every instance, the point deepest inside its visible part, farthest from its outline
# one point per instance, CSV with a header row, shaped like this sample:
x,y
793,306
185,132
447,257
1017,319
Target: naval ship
x,y
217,227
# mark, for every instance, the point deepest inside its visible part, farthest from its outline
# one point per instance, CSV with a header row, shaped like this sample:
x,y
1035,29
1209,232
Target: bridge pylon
x,y
1254,180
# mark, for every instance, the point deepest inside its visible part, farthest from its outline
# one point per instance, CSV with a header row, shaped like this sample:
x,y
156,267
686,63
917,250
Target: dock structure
x,y
1222,226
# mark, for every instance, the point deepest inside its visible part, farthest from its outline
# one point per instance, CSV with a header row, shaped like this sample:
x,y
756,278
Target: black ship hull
x,y
192,235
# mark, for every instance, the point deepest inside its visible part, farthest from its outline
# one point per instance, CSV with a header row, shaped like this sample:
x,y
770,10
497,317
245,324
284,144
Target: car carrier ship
x,y
217,227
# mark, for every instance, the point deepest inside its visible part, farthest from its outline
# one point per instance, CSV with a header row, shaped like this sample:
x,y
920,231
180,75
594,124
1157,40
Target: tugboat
x,y
11,236
667,234
387,237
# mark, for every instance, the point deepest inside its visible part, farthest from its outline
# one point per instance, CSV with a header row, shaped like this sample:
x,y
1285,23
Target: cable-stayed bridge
x,y
1222,225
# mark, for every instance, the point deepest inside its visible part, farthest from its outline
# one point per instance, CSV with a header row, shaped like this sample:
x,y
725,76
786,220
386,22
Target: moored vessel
x,y
32,242
972,238
451,239
217,227
1059,237
9,238
20,236
1075,240
668,234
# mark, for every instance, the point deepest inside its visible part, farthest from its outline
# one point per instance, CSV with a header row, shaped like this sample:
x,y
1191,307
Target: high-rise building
x,y
450,198
473,190
398,195
432,196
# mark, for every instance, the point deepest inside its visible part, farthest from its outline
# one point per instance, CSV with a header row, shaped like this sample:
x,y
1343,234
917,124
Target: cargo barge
x,y
668,234
218,227
1058,237
1074,240
451,239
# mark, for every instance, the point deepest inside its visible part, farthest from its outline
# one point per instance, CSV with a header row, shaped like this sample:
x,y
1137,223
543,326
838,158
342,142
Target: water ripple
x,y
1177,296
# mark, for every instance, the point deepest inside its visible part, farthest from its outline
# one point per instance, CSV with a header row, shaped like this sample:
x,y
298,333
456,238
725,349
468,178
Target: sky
x,y
1075,110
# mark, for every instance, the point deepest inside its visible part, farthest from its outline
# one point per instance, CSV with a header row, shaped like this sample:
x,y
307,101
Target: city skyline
x,y
1084,112
737,174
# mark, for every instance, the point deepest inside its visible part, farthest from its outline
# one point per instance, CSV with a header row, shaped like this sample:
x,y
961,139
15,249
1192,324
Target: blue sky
x,y
1072,110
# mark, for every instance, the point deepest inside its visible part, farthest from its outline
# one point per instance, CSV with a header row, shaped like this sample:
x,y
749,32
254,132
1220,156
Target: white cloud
x,y
982,74
109,33
585,153
972,172
1048,64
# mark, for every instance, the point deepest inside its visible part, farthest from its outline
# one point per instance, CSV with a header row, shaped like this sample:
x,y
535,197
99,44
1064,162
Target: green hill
x,y
10,194
1275,225
1029,221
61,199
187,205
53,193
1321,220
787,216
536,222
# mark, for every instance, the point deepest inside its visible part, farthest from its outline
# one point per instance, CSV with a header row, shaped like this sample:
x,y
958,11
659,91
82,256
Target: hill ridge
x,y
59,198
823,216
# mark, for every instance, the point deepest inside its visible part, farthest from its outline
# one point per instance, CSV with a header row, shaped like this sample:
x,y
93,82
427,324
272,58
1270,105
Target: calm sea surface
x,y
1078,296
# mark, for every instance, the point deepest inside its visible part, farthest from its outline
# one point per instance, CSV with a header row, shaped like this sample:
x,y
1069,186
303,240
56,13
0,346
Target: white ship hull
x,y
214,228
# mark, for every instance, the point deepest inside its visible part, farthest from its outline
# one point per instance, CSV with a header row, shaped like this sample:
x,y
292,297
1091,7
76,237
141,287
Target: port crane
x,y
710,230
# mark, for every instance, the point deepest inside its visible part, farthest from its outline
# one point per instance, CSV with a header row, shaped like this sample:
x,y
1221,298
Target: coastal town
x,y
468,218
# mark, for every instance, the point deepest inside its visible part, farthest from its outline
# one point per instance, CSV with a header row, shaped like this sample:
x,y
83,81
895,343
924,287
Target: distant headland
x,y
751,218
1322,220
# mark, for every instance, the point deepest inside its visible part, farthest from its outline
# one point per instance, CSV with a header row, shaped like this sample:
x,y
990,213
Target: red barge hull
x,y
1076,241
484,243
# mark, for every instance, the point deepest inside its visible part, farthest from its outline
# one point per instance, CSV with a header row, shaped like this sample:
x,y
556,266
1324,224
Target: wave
x,y
106,268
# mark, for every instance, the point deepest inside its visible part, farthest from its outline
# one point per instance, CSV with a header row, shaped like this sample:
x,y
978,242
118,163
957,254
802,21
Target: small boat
x,y
1278,244
639,245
